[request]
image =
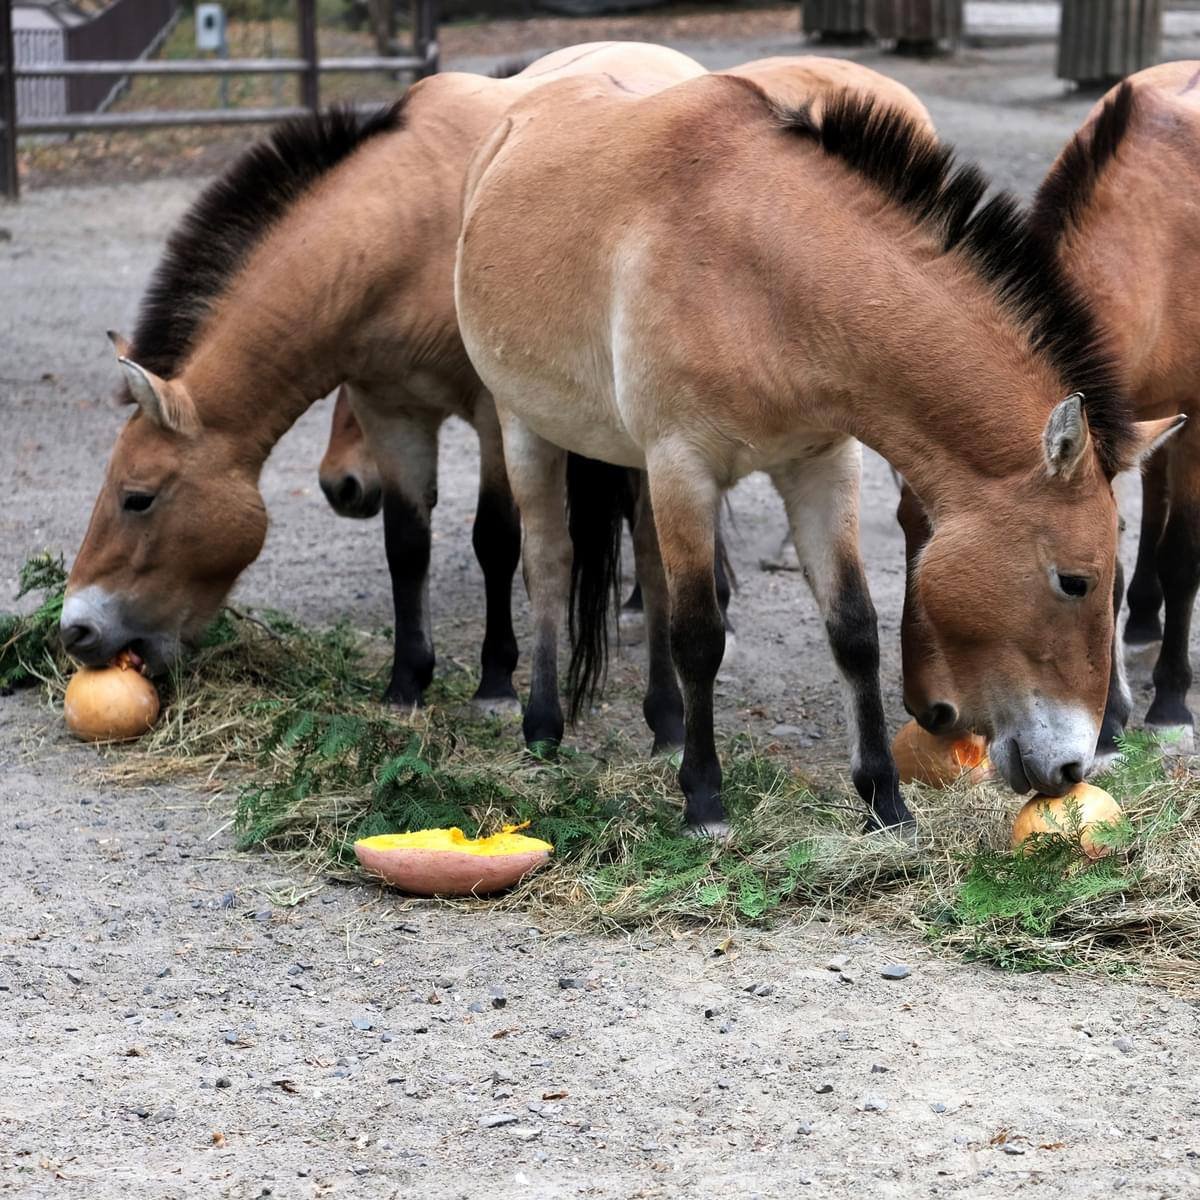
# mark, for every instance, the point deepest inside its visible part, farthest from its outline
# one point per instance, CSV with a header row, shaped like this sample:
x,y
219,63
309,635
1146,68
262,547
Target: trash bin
x,y
1102,41
919,26
837,20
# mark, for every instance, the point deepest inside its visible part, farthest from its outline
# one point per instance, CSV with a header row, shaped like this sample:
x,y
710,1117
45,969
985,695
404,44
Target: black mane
x,y
998,239
1066,191
231,217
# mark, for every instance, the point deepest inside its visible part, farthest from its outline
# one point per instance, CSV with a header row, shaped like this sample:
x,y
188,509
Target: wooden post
x,y
837,20
310,77
1102,41
10,181
424,20
919,26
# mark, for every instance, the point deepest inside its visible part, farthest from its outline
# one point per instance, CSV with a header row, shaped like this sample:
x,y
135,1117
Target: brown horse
x,y
702,285
348,473
325,255
1117,209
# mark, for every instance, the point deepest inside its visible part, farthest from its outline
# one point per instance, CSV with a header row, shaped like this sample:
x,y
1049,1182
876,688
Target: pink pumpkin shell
x,y
444,862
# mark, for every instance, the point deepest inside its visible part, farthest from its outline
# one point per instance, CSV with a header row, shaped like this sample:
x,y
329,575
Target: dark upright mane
x,y
231,217
998,239
1064,195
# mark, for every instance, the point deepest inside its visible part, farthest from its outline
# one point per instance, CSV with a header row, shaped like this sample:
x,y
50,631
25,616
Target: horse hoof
x,y
504,708
717,831
904,832
1176,741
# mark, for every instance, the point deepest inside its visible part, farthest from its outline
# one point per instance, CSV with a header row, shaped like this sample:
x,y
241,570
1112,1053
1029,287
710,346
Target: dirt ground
x,y
176,1020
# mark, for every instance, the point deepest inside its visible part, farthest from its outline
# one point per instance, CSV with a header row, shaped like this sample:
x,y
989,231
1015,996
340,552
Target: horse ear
x,y
120,344
165,403
1149,435
1066,439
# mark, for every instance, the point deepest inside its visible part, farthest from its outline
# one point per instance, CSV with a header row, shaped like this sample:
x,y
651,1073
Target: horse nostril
x,y
79,636
939,718
1073,772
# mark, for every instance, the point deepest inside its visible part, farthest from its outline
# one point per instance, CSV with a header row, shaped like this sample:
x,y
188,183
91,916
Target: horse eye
x,y
1075,586
137,501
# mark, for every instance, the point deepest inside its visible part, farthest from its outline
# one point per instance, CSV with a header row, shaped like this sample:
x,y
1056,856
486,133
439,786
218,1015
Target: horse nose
x,y
79,637
939,718
1072,773
344,494
1058,780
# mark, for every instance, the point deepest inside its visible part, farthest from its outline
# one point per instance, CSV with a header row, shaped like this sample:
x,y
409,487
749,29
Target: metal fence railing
x,y
309,66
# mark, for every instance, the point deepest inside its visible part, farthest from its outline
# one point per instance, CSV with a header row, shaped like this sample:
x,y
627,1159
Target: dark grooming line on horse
x,y
324,256
1118,212
717,287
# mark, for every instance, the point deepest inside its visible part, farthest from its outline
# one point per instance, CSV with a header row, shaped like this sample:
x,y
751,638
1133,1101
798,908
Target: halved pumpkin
x,y
445,862
923,757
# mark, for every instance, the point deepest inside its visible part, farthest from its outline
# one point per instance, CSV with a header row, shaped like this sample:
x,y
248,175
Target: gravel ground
x,y
178,1021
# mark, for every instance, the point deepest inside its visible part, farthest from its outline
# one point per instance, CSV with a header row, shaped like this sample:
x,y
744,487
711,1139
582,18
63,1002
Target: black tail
x,y
597,500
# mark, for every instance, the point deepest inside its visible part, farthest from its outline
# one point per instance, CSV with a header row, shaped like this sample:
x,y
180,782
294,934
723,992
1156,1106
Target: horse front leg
x,y
1119,704
497,541
1143,629
685,495
821,497
537,471
1179,574
405,448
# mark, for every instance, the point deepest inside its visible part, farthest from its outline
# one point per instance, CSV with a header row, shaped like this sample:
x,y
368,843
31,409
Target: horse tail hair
x,y
597,502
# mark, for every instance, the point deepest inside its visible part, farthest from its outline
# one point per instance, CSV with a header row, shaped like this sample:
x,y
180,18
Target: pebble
x,y
939,1107
845,977
166,1113
805,1128
839,962
223,1081
879,1069
873,1104
896,971
477,1006
760,989
495,1120
385,1037
164,972
231,1037
363,1023
74,977
499,999
558,1035
295,969
1009,1148
823,1089
1124,1043
526,1133
229,900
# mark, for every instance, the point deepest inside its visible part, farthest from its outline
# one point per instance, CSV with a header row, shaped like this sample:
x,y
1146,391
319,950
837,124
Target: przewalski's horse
x,y
349,477
1122,224
702,285
325,255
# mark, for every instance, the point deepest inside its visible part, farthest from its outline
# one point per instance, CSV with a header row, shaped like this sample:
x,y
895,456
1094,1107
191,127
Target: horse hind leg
x,y
496,538
821,497
1143,628
1178,565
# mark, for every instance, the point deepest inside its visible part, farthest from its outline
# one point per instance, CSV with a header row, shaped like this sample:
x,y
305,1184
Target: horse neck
x,y
923,364
361,267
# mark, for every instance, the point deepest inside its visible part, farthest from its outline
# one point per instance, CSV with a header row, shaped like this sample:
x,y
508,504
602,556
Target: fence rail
x,y
309,67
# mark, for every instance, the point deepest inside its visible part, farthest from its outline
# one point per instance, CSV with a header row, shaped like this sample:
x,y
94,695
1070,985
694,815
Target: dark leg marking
x,y
1117,707
854,640
698,645
406,538
497,541
1179,573
1144,625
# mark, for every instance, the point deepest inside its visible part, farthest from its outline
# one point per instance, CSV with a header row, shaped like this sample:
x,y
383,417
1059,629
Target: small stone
x,y
499,999
363,1023
805,1129
1010,1148
823,1089
939,1107
879,1069
340,1073
875,1104
385,1037
477,1006
295,969
558,1035
231,1037
303,1172
166,1113
496,1120
786,731
229,900
223,1081
164,972
760,989
846,977
567,982
526,1133
74,977
362,1170
896,971
1124,1043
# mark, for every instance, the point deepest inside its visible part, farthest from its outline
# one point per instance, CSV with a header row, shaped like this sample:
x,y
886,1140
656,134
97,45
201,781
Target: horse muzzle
x,y
94,631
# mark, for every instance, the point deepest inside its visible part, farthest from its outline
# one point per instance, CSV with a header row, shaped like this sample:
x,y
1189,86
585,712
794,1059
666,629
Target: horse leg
x,y
1179,574
1144,629
663,704
1119,704
821,497
685,497
632,612
497,541
537,471
407,461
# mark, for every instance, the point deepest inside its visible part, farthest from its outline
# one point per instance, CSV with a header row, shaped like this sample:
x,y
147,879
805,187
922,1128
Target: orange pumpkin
x,y
1046,814
923,757
112,703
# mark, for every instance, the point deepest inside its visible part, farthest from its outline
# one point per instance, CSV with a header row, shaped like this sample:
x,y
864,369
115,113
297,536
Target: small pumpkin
x,y
1051,814
445,862
111,704
923,757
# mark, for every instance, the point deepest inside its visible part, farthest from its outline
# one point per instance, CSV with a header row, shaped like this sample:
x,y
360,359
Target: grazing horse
x,y
700,284
1117,211
348,473
323,256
